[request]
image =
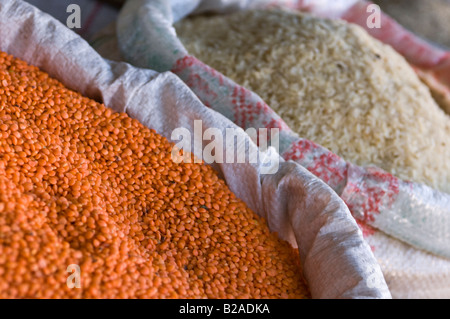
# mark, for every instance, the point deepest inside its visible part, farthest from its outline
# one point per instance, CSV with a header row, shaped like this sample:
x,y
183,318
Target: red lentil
x,y
80,184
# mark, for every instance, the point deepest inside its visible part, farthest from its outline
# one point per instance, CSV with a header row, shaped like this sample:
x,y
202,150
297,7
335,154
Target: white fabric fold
x,y
338,263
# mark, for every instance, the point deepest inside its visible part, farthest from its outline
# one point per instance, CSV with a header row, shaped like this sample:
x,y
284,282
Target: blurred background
x,y
95,14
429,19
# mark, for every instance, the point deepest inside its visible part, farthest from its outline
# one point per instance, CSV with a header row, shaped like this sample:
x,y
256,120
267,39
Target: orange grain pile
x,y
80,184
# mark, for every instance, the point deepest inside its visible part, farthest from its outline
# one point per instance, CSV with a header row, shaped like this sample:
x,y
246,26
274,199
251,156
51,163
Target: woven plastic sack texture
x,y
337,262
409,212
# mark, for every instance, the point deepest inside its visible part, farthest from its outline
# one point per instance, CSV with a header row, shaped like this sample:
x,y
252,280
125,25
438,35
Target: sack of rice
x,y
432,63
411,212
88,182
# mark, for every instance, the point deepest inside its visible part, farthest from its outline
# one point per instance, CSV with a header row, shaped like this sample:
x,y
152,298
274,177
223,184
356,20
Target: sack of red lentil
x,y
406,223
92,191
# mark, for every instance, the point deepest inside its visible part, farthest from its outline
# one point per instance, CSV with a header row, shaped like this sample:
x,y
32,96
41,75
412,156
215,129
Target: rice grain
x,y
333,84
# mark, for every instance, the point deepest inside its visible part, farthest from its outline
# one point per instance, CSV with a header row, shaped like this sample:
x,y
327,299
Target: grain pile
x,y
333,84
80,184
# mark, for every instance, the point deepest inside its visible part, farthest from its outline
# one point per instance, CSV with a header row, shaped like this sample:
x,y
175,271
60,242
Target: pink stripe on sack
x,y
414,49
209,84
418,52
428,60
321,162
366,193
